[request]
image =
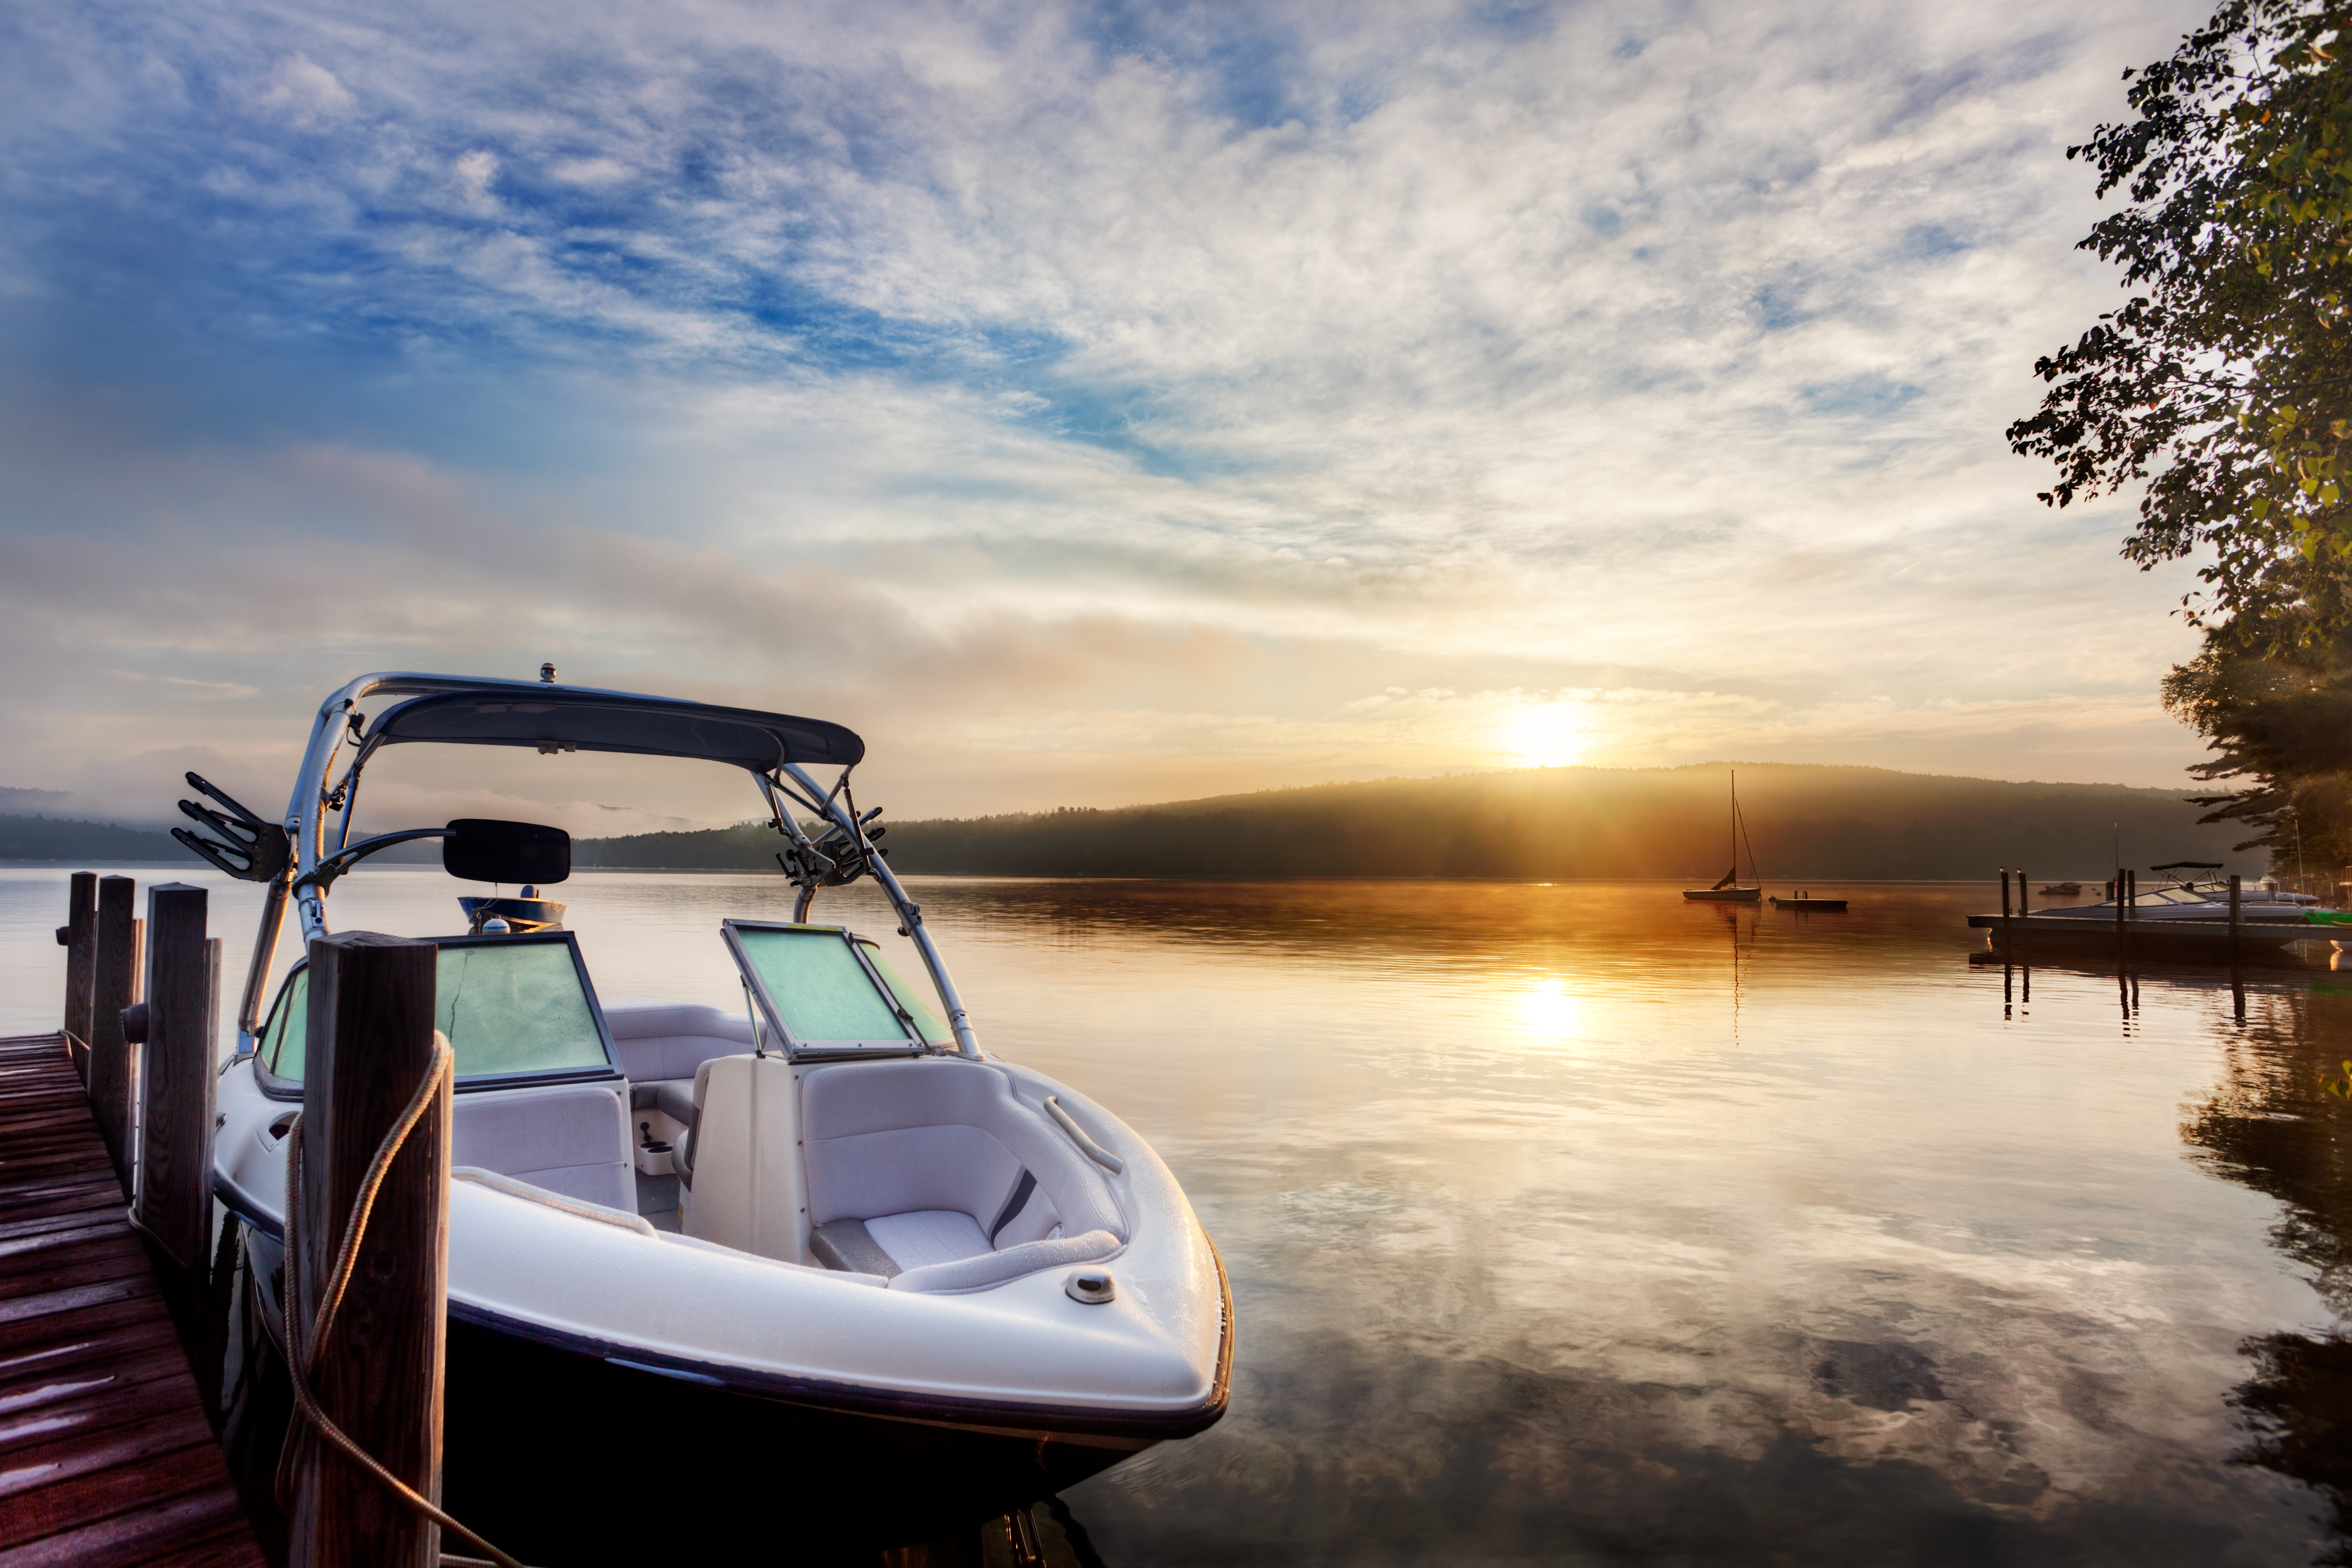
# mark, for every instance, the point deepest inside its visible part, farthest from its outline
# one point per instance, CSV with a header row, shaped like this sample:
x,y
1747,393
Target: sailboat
x,y
1729,891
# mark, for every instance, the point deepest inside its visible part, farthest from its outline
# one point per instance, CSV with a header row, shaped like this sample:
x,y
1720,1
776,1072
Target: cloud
x,y
1142,388
301,89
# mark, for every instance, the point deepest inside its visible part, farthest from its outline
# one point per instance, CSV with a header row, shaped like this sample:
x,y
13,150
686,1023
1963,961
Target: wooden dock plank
x,y
106,1457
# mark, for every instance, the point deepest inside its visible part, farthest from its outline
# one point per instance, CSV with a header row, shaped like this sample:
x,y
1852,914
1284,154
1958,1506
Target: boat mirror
x,y
479,849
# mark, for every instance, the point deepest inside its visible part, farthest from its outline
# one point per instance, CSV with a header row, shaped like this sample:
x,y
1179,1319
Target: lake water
x,y
1577,1224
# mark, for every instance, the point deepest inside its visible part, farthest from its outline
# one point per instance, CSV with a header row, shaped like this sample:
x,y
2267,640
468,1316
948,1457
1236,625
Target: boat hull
x,y
527,1424
1724,895
520,914
574,1454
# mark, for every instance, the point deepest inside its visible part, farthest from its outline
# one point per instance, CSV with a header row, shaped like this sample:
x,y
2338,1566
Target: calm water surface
x,y
1575,1224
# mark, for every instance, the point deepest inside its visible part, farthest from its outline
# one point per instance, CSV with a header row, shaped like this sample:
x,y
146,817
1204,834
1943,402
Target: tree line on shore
x,y
1816,822
1819,822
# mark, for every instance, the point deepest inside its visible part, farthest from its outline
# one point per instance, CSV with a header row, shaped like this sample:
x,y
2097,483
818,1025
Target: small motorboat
x,y
2202,903
855,1280
526,912
1805,900
2063,889
1729,891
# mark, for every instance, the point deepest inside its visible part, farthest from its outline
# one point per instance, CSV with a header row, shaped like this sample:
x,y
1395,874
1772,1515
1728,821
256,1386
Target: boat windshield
x,y
822,990
512,1007
925,1017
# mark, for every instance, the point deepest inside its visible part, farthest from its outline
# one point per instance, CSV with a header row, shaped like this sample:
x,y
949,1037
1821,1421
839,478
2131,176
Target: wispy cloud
x,y
1136,389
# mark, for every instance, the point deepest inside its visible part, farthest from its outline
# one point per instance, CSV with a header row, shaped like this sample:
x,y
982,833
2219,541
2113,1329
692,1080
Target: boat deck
x,y
106,1457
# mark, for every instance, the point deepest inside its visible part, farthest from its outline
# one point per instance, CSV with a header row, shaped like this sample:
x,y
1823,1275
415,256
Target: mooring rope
x,y
303,1348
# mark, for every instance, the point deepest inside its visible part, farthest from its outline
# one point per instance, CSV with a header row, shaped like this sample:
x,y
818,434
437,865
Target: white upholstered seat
x,y
661,1043
571,1139
930,1172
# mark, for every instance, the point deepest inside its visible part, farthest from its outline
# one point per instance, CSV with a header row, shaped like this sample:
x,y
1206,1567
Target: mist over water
x,y
1579,1224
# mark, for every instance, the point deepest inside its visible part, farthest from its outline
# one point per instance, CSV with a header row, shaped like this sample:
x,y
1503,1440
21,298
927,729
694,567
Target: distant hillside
x,y
1825,822
1806,822
57,838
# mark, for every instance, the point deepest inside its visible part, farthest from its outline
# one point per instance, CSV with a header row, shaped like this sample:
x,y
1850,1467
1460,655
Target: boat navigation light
x,y
547,673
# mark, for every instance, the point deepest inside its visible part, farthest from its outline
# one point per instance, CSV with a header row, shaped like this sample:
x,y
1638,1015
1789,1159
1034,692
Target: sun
x,y
1547,737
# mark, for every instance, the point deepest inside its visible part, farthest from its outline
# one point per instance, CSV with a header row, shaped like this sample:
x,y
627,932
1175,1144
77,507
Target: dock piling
x,y
174,1208
113,986
2234,897
376,1372
81,948
2123,900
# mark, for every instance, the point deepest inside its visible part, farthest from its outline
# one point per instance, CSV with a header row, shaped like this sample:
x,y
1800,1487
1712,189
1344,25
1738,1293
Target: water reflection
x,y
1548,1010
1576,1222
2277,1123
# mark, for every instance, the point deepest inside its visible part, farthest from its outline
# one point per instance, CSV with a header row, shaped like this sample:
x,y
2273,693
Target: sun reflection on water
x,y
1548,1010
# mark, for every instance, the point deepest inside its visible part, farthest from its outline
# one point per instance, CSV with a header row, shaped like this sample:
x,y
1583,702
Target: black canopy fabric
x,y
560,721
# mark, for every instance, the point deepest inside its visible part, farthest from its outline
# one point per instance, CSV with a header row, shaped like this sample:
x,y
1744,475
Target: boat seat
x,y
571,1139
661,1043
929,1173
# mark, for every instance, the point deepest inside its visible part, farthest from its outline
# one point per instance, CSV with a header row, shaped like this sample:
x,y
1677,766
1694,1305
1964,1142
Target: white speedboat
x,y
907,1285
2193,902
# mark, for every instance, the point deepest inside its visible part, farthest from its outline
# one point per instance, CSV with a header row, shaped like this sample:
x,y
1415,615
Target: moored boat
x,y
843,1272
1730,890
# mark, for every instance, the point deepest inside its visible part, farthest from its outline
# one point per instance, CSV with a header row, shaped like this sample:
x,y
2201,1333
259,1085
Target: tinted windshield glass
x,y
926,1018
281,1037
513,1006
508,1007
818,985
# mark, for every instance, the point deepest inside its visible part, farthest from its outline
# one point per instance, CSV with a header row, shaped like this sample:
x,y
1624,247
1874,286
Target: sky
x,y
1089,403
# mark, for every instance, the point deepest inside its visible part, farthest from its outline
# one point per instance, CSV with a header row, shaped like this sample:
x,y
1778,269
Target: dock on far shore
x,y
2186,938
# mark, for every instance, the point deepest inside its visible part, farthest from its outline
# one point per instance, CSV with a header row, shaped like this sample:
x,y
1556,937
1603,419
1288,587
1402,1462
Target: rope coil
x,y
303,1343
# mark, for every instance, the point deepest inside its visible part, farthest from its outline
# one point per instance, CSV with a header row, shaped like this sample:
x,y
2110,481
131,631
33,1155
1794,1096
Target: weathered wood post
x,y
175,1204
2008,935
2123,899
113,986
81,947
2234,897
378,1374
2022,925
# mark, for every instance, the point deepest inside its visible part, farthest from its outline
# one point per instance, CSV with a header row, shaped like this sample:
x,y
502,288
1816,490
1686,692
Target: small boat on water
x,y
857,1280
1729,890
1725,892
2186,900
1805,900
526,912
2063,889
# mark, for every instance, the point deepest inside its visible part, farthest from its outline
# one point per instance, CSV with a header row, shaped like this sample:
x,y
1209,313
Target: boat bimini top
x,y
301,857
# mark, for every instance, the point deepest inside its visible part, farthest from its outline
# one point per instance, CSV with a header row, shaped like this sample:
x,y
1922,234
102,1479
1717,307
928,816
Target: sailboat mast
x,y
1735,828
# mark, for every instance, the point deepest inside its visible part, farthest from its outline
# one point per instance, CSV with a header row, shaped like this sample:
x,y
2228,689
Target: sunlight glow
x,y
1548,1010
1547,737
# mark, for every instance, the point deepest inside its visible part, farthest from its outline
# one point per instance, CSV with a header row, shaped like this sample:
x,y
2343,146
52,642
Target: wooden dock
x,y
107,1455
2169,937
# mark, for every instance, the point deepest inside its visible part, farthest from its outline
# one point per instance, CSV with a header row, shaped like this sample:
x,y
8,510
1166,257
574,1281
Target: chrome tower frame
x,y
314,802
